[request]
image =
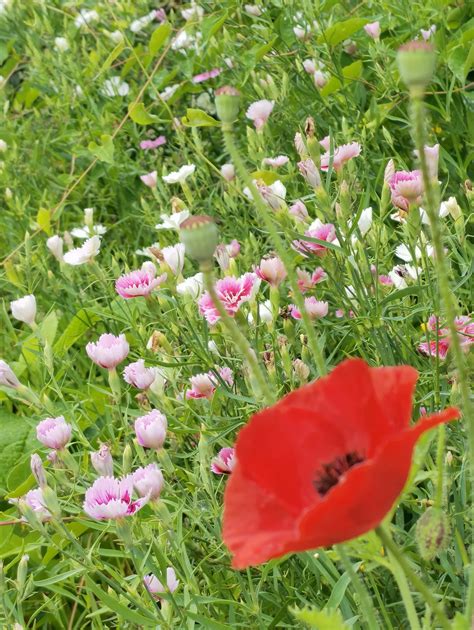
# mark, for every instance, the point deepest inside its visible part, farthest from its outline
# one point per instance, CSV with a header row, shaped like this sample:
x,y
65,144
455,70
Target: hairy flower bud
x,y
199,235
227,103
432,533
416,63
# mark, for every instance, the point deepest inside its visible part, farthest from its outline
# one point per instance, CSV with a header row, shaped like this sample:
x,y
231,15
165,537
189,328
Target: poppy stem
x,y
450,303
365,600
264,390
280,246
397,558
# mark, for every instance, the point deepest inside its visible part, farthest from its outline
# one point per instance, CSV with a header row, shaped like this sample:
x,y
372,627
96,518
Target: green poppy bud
x,y
432,533
199,235
227,103
416,63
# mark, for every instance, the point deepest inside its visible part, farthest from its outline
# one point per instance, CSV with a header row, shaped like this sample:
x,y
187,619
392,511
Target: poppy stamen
x,y
329,474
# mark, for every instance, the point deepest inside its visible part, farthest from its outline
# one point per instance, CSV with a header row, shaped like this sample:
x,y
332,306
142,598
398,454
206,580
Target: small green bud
x,y
227,103
432,533
416,63
22,572
127,458
199,236
51,502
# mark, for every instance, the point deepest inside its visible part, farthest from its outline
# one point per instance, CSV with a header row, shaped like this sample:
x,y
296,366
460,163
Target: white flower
x,y
192,286
443,212
265,311
86,17
55,246
403,252
365,221
172,221
310,66
400,272
139,24
299,32
85,253
115,87
3,146
228,172
115,36
61,44
169,91
181,175
174,257
194,12
253,9
273,195
182,40
158,385
450,207
212,346
24,309
87,232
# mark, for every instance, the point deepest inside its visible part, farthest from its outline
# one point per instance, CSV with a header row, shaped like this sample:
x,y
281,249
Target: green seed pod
x,y
227,103
416,63
199,236
432,533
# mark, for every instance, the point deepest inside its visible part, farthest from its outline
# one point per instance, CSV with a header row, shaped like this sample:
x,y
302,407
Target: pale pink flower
x,y
111,498
373,30
310,172
102,461
326,143
150,429
160,15
432,158
385,280
389,172
83,254
272,270
232,293
310,66
35,500
148,481
24,309
299,211
253,9
54,433
299,144
426,34
174,257
259,112
138,283
321,231
108,351
222,256
275,162
226,375
273,195
228,172
224,463
202,386
139,376
233,248
153,144
342,154
7,376
204,76
156,588
315,309
319,275
406,188
150,179
320,78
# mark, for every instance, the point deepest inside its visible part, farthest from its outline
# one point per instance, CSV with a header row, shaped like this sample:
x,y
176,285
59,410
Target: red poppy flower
x,y
323,465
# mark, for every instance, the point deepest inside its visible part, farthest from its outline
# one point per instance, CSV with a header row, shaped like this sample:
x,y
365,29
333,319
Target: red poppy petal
x,y
256,525
367,492
394,387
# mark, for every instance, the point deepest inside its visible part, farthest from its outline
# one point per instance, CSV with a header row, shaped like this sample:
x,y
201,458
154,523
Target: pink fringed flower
x,y
139,376
321,231
272,270
152,144
111,498
224,463
139,283
156,588
150,429
465,327
259,112
35,500
307,281
342,154
275,162
406,188
433,348
232,293
148,481
108,351
204,385
205,76
54,432
315,309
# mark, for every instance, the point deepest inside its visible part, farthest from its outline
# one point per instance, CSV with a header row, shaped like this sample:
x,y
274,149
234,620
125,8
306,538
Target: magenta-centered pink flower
x,y
108,351
232,293
224,462
406,188
315,309
204,385
319,230
54,432
111,498
138,283
271,270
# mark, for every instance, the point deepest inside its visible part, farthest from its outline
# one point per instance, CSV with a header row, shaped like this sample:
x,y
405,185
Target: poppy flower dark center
x,y
329,474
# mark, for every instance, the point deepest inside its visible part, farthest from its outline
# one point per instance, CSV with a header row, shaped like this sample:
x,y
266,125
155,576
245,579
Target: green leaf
x,y
124,613
138,114
269,177
17,440
105,151
210,25
352,72
158,37
112,56
199,118
82,321
460,622
48,327
43,219
59,578
340,31
320,619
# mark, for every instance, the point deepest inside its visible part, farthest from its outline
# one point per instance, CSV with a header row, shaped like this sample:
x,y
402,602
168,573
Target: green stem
x,y
365,601
418,123
402,568
239,339
280,247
